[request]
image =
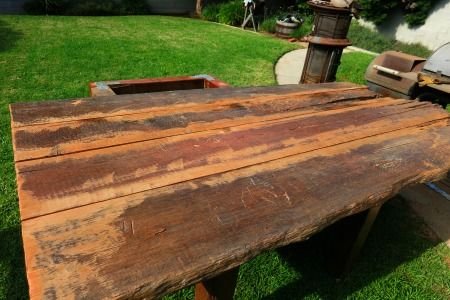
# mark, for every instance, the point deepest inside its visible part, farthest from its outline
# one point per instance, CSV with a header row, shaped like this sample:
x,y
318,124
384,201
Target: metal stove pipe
x,y
326,42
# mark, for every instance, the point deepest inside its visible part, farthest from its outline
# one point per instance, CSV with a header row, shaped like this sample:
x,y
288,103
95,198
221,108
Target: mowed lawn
x,y
45,58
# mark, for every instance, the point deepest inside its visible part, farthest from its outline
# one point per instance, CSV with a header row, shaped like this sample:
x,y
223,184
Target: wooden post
x,y
346,238
361,238
218,288
199,7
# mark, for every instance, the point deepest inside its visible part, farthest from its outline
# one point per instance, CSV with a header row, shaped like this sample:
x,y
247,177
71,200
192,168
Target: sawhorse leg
x,y
361,238
220,287
248,17
345,239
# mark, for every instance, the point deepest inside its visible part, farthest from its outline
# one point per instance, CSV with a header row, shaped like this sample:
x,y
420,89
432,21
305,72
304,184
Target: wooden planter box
x,y
284,29
151,85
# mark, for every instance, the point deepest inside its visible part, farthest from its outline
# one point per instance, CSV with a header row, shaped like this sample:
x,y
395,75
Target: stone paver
x,y
432,208
289,67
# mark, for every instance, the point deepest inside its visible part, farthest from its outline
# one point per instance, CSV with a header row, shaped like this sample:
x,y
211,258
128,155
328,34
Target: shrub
x,y
134,7
42,7
365,38
211,12
231,13
306,28
86,7
92,8
275,6
417,15
269,25
303,9
378,11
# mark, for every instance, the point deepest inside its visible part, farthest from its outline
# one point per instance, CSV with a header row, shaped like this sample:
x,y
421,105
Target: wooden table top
x,y
140,195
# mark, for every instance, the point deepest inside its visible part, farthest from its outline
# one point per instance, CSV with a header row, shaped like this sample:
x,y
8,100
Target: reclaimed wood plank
x,y
63,182
27,114
136,246
46,140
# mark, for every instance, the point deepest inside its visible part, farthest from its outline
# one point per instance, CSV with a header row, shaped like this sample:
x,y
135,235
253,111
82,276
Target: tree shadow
x,y
12,258
8,36
384,251
396,18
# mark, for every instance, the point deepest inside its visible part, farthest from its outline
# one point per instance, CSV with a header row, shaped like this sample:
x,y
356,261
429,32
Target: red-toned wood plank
x,y
149,244
26,114
31,142
63,182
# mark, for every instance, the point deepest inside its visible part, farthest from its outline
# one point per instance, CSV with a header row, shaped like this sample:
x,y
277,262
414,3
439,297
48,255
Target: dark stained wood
x,y
152,243
46,140
32,113
68,181
218,288
144,218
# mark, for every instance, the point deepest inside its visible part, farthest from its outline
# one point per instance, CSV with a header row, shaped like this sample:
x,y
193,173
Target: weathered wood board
x,y
137,196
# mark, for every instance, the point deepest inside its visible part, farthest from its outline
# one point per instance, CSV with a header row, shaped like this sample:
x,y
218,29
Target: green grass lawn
x,y
55,57
353,67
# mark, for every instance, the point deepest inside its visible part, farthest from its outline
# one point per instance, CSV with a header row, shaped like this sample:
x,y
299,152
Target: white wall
x,y
434,33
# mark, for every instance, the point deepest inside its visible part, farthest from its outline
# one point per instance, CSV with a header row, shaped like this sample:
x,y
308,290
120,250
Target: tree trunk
x,y
199,7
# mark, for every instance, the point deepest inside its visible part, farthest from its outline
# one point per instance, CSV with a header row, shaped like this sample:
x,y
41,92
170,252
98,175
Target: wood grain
x,y
149,244
47,140
63,182
32,113
137,196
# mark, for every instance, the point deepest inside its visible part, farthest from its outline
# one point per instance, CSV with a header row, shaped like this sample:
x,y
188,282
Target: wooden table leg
x,y
361,238
218,288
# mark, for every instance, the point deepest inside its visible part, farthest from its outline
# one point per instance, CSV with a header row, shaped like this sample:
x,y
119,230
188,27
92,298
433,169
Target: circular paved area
x,y
289,67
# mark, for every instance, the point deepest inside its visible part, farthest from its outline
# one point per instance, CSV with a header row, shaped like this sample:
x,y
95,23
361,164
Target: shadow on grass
x,y
8,36
12,258
395,239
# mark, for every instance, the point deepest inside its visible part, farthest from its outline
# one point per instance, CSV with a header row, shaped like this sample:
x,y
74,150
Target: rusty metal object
x,y
329,21
381,80
150,85
407,76
326,42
